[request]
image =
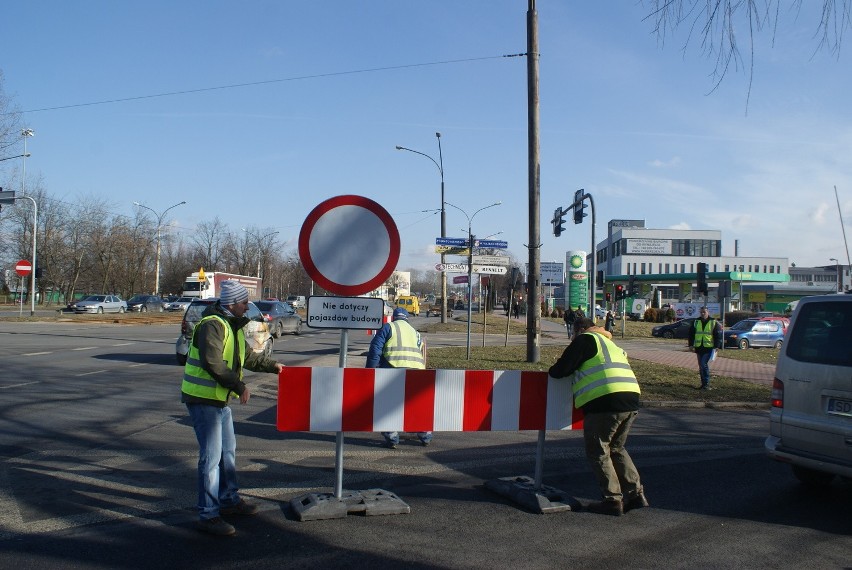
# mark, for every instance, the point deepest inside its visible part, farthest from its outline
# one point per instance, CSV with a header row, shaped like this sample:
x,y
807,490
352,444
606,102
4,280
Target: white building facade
x,y
632,249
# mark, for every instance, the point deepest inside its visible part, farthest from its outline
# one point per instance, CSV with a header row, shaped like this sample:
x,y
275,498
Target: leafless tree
x,y
715,24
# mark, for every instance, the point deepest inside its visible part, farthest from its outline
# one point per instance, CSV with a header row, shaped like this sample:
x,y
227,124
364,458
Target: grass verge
x,y
658,382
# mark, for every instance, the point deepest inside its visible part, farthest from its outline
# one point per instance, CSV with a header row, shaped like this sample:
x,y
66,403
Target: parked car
x,y
100,304
179,304
145,303
811,401
280,317
256,331
755,333
677,329
784,321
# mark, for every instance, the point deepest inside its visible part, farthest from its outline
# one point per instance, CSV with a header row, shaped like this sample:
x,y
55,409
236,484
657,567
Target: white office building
x,y
632,249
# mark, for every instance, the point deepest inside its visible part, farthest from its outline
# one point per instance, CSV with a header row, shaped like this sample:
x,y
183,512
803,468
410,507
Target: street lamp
x,y
440,165
35,233
27,133
470,264
837,275
159,227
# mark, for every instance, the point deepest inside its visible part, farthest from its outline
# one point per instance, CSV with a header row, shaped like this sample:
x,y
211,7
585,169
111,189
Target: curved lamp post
x,y
440,164
159,228
27,133
470,264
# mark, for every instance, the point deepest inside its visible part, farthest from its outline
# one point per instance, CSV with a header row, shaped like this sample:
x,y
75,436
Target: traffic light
x,y
632,287
619,292
608,297
579,207
702,278
558,221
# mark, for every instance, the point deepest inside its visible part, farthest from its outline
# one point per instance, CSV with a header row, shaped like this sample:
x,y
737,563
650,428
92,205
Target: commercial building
x,y
663,263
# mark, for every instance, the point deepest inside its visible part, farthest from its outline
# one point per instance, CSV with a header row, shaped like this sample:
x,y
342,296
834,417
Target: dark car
x,y
754,333
145,303
280,317
677,329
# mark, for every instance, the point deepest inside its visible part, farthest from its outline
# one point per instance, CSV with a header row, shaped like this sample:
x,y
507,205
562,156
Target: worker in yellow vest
x,y
398,345
705,336
606,390
212,376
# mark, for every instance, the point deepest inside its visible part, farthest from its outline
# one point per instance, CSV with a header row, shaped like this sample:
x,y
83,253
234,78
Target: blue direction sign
x,y
451,241
495,244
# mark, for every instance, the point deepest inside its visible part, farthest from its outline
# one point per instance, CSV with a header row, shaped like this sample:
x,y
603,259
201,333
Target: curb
x,y
707,405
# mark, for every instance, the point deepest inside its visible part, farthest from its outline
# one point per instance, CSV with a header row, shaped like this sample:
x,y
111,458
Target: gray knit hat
x,y
232,292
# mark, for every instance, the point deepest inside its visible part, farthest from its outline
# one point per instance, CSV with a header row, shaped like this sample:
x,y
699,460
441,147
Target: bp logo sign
x,y
576,261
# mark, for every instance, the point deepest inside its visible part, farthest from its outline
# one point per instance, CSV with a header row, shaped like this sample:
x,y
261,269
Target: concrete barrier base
x,y
371,502
544,500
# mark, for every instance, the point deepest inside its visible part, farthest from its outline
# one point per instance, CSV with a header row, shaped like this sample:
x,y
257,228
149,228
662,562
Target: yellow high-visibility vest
x,y
197,381
704,335
607,372
402,351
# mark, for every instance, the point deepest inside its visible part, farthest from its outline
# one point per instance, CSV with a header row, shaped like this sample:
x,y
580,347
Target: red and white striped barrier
x,y
388,399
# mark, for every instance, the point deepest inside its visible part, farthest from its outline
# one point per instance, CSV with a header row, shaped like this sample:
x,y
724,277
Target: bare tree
x,y
716,23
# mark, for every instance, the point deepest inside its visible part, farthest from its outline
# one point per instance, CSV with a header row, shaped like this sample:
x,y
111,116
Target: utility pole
x,y
534,275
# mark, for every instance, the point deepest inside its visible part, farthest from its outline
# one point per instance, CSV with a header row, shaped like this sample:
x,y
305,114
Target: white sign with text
x,y
346,313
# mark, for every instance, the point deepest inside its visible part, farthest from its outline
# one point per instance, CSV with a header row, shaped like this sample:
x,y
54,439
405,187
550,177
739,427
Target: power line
x,y
266,82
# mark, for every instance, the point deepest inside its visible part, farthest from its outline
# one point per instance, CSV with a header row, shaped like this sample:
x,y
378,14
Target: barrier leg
x,y
530,493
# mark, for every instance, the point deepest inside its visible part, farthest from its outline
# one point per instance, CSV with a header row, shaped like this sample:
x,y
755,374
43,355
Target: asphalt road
x,y
98,471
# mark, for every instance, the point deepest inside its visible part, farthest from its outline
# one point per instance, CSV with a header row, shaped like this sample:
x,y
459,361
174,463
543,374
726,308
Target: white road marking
x,y
90,373
18,385
36,353
85,348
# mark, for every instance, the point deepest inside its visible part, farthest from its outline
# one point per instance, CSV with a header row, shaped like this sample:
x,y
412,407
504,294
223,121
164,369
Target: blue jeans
x,y
217,469
704,367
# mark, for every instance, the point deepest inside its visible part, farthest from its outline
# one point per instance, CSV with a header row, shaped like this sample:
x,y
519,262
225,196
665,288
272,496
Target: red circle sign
x,y
349,245
23,267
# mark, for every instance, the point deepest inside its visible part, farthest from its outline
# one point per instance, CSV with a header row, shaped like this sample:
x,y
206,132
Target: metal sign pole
x,y
338,440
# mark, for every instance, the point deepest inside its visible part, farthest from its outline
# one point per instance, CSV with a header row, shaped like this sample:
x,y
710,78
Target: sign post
x,y
22,268
349,245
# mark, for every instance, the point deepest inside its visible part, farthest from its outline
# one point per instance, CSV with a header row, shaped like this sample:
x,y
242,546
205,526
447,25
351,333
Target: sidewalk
x,y
663,352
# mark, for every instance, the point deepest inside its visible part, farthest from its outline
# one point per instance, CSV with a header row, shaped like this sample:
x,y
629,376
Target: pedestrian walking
x,y
705,336
606,390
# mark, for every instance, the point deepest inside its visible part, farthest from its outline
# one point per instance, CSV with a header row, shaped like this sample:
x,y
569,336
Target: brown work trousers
x,y
605,435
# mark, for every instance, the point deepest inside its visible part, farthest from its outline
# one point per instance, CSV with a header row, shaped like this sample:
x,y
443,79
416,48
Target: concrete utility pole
x,y
534,275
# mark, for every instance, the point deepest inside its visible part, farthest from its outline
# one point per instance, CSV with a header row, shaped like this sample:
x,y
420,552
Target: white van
x,y
810,421
297,301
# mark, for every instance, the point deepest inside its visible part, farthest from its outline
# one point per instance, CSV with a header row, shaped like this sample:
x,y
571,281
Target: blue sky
x,y
338,84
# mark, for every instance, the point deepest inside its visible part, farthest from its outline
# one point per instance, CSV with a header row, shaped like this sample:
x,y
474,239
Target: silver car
x,y
810,421
180,304
101,304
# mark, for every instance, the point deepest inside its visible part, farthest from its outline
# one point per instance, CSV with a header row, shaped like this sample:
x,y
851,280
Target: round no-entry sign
x,y
349,245
23,267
